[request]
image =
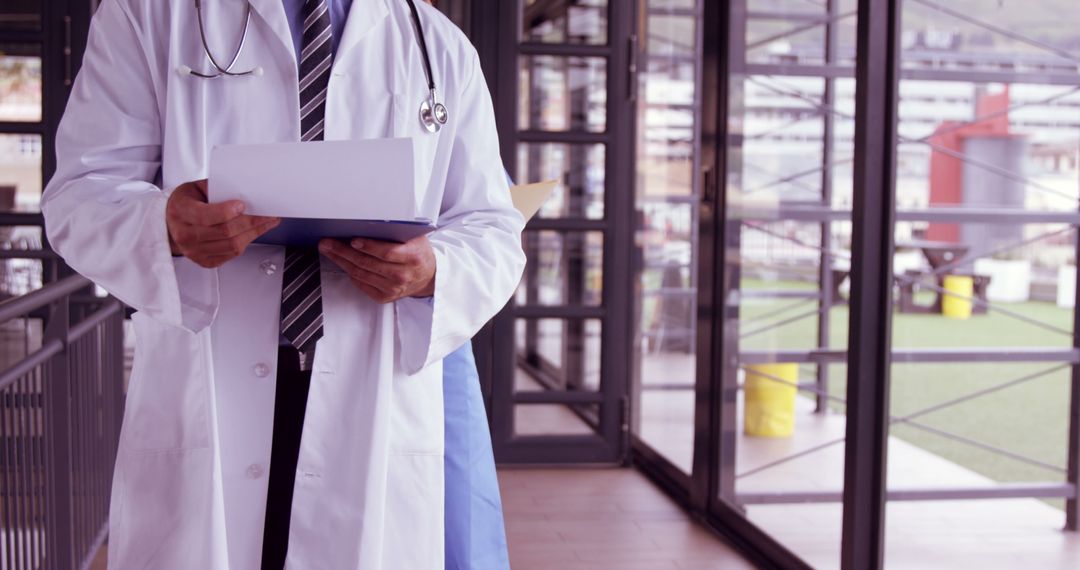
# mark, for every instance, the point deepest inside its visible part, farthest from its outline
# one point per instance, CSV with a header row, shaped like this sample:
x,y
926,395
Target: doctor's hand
x,y
385,271
210,234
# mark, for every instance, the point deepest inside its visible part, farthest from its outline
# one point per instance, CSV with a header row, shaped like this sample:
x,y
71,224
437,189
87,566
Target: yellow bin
x,y
956,301
770,392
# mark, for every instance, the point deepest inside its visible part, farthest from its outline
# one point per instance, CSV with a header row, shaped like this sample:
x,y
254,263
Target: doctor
x,y
191,480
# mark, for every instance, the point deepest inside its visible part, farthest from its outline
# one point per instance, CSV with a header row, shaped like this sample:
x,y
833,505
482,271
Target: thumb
x,y
203,186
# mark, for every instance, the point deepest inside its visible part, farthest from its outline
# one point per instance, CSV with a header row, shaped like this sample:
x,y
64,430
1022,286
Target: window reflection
x,y
667,236
20,84
563,93
565,21
579,169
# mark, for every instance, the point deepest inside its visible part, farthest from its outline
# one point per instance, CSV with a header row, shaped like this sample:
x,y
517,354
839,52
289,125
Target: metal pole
x,y
1072,506
825,265
706,481
727,305
574,244
531,240
876,95
57,388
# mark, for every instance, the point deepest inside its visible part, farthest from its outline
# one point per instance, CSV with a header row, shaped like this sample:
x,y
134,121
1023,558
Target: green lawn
x,y
1030,419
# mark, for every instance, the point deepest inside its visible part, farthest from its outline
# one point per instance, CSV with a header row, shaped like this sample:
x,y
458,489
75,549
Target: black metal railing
x,y
61,405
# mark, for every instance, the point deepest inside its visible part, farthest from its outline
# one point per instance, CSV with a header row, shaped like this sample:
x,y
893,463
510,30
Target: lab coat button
x,y
268,267
261,370
254,471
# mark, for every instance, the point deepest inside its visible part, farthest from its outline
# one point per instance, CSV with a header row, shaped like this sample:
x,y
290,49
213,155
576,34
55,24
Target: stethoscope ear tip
x,y
257,72
183,70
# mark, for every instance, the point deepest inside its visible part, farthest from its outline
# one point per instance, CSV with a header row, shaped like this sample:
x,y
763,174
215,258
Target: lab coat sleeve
x,y
103,213
477,247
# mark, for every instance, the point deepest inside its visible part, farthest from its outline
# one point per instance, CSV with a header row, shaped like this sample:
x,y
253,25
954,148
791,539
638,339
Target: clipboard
x,y
527,198
306,232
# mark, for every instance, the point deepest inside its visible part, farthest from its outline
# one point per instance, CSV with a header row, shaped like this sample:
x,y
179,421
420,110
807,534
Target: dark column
x,y
877,74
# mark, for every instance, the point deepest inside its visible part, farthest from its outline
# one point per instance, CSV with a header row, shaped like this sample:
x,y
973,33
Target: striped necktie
x,y
301,295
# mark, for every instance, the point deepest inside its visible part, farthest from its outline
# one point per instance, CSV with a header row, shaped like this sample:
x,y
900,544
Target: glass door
x,y
984,433
40,45
783,254
667,214
559,358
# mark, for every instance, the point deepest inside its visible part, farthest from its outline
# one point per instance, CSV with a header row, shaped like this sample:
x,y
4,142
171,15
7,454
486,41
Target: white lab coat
x,y
190,482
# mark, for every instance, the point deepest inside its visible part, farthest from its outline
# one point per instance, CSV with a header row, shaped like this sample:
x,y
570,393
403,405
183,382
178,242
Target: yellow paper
x,y
528,198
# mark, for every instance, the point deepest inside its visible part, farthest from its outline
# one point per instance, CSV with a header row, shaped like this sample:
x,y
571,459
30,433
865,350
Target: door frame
x,y
495,26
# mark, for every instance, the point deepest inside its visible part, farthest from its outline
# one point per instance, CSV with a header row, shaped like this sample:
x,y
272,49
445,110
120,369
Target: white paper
x,y
351,180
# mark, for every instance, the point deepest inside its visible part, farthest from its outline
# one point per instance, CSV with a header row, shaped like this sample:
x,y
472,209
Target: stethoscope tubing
x,y
424,53
433,114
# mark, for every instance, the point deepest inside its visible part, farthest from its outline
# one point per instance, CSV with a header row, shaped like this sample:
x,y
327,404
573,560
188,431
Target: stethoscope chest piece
x,y
433,114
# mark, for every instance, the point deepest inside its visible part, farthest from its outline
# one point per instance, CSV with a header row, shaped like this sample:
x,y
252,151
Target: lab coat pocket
x,y
168,400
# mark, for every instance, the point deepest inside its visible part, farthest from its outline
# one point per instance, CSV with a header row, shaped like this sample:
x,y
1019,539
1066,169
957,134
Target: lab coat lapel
x,y
363,16
273,13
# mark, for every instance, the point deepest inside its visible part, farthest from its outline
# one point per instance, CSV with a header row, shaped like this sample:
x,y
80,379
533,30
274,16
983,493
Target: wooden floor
x,y
601,519
597,519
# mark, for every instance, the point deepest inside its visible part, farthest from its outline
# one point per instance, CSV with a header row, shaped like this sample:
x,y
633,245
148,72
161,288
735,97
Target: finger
x,y
395,273
360,274
221,247
392,277
376,295
387,286
361,259
219,260
386,251
201,214
203,186
242,225
256,230
327,246
210,261
237,244
357,273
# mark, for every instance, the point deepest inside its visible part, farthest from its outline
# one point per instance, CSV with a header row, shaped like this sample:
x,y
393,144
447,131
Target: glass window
x,y
667,231
794,32
558,354
20,191
563,93
580,171
564,21
565,268
786,276
20,173
20,83
985,282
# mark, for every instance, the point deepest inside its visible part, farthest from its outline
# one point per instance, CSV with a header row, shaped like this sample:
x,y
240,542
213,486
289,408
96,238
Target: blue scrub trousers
x,y
475,535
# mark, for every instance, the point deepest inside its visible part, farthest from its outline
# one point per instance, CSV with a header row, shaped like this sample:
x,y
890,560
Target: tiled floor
x,y
601,519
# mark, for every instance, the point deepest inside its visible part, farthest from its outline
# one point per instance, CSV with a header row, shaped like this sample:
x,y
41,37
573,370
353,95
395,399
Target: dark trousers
x,y
290,403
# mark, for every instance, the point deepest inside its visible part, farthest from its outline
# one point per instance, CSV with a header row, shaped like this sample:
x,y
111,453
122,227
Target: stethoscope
x,y
433,114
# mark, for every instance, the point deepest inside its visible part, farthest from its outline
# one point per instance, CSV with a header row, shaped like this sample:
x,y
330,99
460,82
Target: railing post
x,y
59,536
116,379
